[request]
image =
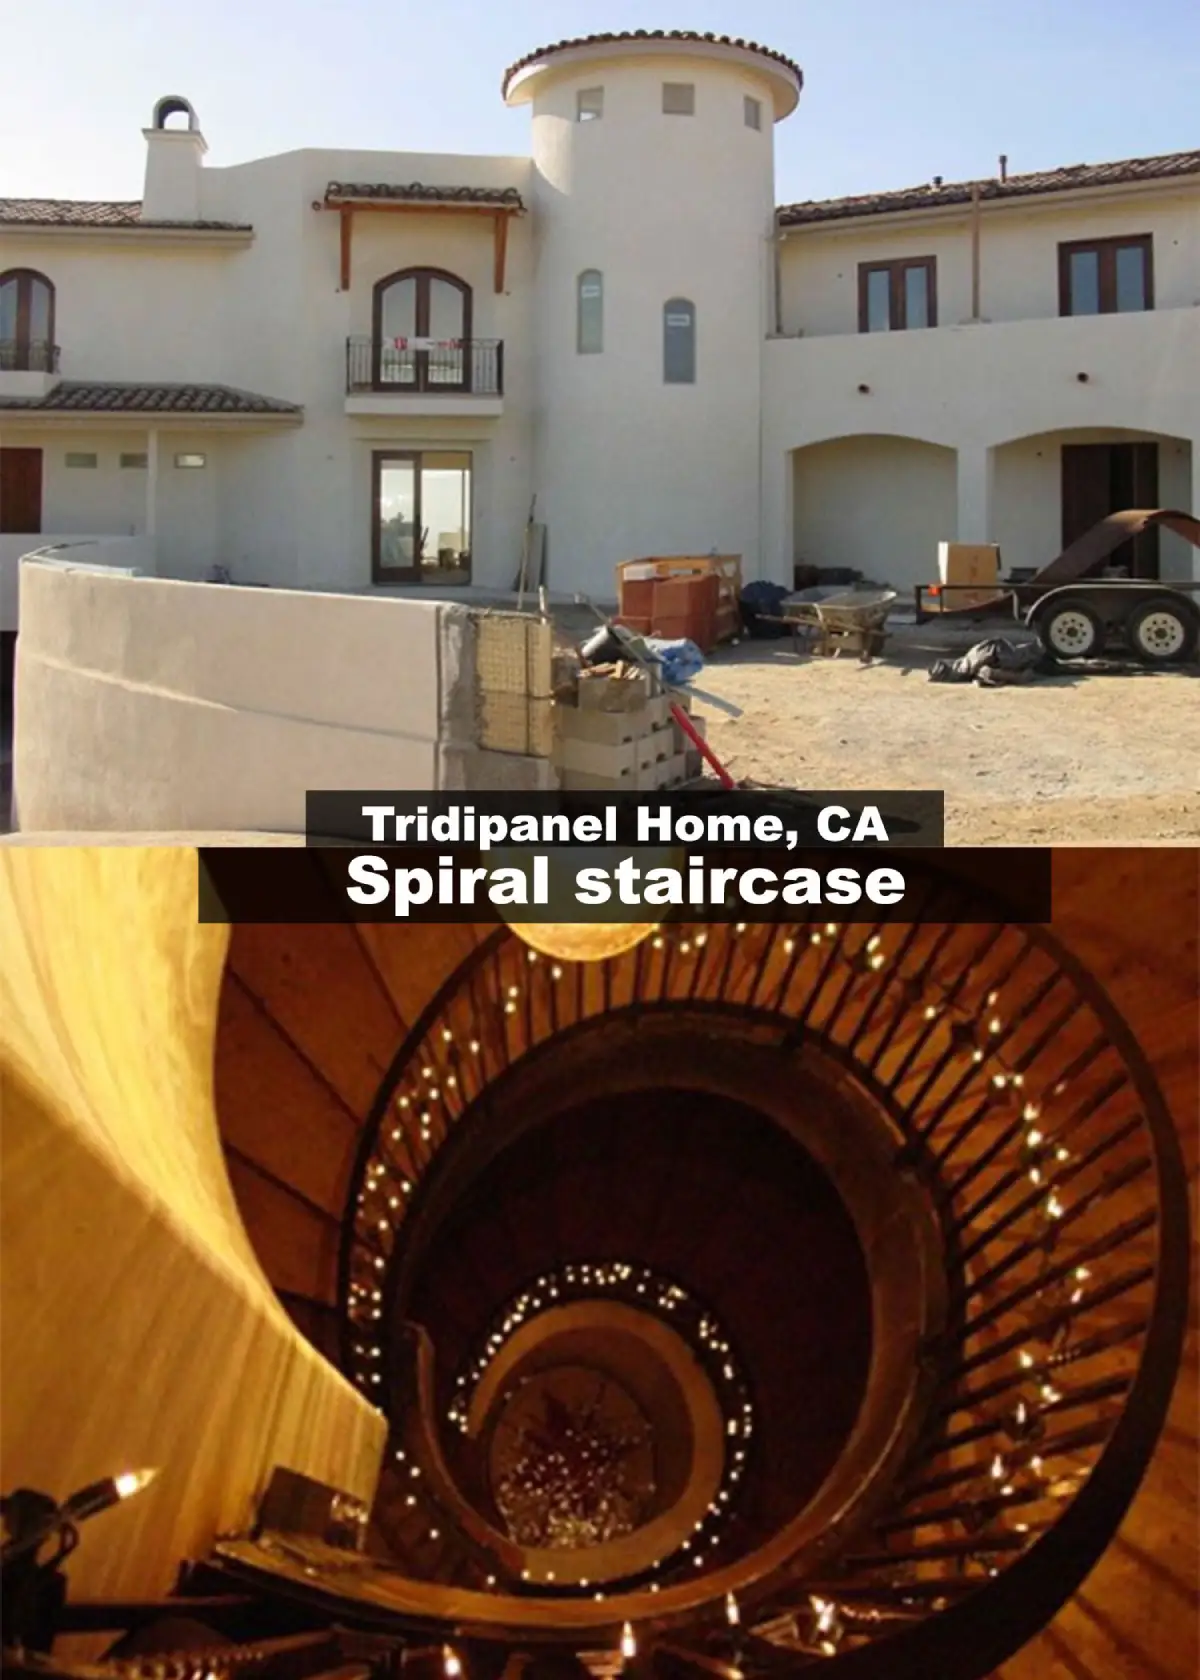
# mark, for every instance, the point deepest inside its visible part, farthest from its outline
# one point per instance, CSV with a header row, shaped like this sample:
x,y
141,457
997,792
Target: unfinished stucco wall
x,y
139,1329
129,553
879,504
151,705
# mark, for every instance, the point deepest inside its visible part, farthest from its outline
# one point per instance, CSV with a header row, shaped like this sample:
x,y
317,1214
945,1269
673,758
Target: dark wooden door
x,y
1103,478
20,491
1135,485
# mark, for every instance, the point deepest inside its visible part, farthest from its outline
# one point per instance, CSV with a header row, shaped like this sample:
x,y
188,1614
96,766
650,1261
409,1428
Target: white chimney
x,y
173,162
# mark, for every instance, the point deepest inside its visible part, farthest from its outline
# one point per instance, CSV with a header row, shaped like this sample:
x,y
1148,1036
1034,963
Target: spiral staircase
x,y
902,1207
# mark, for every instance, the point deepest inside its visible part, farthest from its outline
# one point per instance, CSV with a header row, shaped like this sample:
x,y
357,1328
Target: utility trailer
x,y
1077,615
1159,623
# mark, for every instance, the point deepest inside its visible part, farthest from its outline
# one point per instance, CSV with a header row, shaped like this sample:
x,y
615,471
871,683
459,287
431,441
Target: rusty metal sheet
x,y
1087,552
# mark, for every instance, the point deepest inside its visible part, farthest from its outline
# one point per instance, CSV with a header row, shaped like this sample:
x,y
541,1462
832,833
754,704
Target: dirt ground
x,y
1087,759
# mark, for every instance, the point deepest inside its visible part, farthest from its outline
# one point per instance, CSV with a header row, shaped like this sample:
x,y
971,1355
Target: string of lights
x,y
649,1292
961,1035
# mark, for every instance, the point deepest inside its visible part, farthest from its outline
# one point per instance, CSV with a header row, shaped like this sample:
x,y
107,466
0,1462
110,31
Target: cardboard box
x,y
974,568
605,693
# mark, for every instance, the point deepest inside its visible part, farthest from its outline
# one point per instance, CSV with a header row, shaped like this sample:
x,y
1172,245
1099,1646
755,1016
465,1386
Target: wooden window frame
x,y
896,268
422,275
1106,255
23,343
413,574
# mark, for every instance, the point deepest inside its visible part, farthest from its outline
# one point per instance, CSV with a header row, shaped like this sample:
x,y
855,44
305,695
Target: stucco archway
x,y
1027,492
877,503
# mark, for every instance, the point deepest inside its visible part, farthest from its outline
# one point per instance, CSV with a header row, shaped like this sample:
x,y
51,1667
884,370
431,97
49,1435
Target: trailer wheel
x,y
1071,629
1161,632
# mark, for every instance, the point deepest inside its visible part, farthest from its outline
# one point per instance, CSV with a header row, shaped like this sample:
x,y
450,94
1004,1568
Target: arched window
x,y
27,322
589,312
679,341
422,330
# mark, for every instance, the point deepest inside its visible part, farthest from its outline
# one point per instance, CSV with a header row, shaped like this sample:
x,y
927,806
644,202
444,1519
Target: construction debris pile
x,y
995,663
999,663
621,735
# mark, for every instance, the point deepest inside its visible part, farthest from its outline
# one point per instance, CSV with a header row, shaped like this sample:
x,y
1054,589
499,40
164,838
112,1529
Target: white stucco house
x,y
348,371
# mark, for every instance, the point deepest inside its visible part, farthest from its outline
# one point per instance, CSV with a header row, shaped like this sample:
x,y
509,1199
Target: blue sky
x,y
894,94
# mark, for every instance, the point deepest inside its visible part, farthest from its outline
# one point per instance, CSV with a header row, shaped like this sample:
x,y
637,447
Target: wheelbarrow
x,y
851,621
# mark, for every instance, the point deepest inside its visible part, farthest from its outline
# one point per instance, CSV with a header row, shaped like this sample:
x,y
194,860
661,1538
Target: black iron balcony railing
x,y
1027,1115
35,355
425,366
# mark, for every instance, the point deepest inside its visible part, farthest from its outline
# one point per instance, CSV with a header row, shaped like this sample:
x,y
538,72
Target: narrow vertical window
x,y
752,112
589,314
589,104
1085,283
679,342
879,292
916,295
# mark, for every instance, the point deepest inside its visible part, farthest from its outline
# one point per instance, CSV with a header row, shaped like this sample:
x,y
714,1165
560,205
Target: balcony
x,y
995,381
424,375
28,367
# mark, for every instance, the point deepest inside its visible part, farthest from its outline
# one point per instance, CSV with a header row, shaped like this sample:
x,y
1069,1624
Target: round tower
x,y
653,198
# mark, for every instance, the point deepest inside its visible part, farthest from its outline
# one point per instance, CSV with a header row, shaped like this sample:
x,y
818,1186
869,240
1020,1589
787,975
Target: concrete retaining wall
x,y
136,552
144,704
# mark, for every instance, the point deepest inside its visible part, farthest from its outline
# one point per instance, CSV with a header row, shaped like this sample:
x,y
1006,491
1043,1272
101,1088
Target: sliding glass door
x,y
421,516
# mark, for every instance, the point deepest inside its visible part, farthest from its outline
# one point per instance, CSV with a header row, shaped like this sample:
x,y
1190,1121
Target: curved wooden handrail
x,y
985,1619
508,1555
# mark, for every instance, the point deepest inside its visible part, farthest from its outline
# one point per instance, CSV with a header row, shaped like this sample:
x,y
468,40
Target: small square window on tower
x,y
589,104
679,99
752,109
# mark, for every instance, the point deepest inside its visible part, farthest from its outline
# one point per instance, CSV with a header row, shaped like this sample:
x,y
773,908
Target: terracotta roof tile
x,y
683,35
108,398
929,196
98,213
416,193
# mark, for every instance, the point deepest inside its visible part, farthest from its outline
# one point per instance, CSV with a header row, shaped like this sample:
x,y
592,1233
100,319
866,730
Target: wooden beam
x,y
500,232
420,206
347,221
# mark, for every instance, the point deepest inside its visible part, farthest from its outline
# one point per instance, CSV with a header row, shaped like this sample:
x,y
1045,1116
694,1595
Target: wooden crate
x,y
660,568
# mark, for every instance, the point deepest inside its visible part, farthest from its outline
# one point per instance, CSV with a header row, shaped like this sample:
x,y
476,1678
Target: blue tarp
x,y
680,661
